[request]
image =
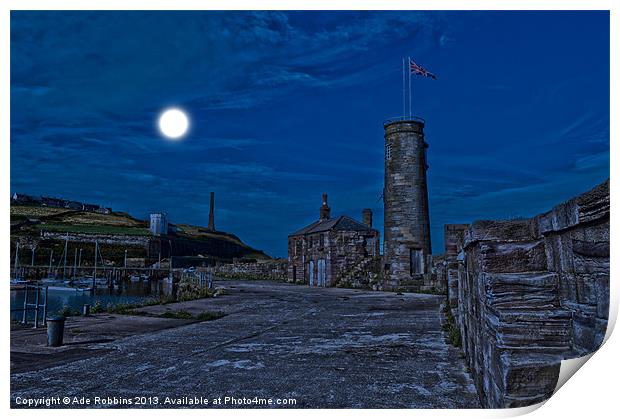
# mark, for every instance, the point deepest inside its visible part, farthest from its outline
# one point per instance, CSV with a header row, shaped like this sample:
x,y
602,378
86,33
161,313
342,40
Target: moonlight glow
x,y
173,123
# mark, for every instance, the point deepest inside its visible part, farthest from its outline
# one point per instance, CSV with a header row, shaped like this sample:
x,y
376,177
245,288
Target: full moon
x,y
173,123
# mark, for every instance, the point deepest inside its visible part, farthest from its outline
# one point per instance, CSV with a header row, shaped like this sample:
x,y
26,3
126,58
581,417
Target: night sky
x,y
286,106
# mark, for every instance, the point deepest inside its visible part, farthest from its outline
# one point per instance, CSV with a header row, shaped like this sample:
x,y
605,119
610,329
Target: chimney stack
x,y
211,217
367,217
325,211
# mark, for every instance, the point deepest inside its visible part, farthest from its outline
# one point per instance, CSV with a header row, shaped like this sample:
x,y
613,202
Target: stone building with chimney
x,y
323,252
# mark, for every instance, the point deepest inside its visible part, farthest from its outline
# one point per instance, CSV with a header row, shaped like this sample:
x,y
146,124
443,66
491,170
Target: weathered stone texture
x,y
454,239
529,293
454,236
405,197
263,269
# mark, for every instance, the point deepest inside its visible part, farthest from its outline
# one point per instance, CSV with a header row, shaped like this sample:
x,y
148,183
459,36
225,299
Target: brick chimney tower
x,y
325,211
211,216
367,217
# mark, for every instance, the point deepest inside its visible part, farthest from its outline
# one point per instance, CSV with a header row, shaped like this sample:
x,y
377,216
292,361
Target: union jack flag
x,y
419,70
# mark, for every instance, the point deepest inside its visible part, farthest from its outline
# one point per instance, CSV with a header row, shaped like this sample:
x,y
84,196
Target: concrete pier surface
x,y
323,347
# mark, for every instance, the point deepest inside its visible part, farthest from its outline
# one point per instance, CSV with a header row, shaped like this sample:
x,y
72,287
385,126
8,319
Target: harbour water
x,y
126,292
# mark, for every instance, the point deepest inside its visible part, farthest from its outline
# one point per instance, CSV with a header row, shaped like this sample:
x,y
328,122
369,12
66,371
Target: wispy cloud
x,y
288,105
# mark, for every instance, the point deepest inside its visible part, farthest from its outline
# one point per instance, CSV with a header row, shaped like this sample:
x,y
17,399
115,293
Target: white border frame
x,y
591,394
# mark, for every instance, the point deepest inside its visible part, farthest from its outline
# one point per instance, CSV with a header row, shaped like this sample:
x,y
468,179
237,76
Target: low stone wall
x,y
365,274
270,269
111,239
530,293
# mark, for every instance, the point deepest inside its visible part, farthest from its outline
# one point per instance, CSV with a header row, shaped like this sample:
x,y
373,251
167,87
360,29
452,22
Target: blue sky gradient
x,y
288,105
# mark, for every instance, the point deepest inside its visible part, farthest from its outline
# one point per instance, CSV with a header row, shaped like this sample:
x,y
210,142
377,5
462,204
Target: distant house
x,y
90,207
58,203
52,202
22,199
159,223
73,205
323,251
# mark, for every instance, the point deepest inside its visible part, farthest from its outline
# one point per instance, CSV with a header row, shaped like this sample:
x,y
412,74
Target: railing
x,y
201,277
403,119
36,307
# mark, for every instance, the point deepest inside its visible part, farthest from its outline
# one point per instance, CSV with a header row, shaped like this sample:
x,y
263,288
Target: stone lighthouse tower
x,y
407,238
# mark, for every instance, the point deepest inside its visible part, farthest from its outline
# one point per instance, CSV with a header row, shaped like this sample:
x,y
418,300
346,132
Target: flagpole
x,y
404,108
410,88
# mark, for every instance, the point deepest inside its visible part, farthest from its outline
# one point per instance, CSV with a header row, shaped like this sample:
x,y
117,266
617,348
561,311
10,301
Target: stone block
x,y
531,328
598,233
567,288
534,290
529,376
586,289
594,205
552,253
590,257
513,257
565,215
545,222
600,330
602,296
584,333
593,249
509,231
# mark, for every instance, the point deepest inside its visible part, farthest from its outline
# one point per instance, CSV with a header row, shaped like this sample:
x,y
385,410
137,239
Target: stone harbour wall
x,y
268,270
530,293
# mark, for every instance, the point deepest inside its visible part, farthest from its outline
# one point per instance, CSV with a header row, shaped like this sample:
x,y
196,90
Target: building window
x,y
416,262
388,151
310,241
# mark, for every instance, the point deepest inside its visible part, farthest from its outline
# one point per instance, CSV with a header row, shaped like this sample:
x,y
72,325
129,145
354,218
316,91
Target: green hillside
x,y
27,222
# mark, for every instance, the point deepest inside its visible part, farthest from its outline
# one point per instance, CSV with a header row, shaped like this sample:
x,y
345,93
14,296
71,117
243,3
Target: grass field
x,y
36,212
85,218
63,220
197,232
71,221
95,229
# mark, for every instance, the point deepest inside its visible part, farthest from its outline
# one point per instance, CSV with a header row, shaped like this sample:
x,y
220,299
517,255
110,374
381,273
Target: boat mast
x,y
95,271
75,263
51,257
16,257
64,265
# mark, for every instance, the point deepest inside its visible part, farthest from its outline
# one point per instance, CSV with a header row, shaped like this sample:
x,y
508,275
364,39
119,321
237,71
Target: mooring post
x,y
36,306
45,307
25,318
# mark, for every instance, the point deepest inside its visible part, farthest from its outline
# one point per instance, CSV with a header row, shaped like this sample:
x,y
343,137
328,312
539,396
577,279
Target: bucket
x,y
55,330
